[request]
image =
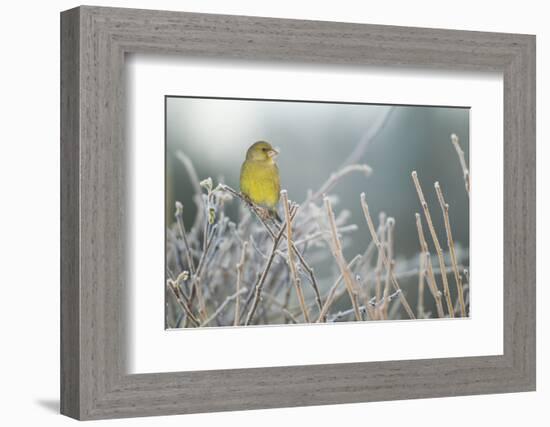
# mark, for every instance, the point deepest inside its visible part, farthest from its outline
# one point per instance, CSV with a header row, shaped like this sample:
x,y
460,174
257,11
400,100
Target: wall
x,y
29,211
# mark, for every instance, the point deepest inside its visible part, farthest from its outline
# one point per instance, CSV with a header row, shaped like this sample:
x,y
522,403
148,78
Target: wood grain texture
x,y
94,269
70,263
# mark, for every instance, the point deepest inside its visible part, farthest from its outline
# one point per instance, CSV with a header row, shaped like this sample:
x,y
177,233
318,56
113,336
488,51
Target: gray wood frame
x,y
94,42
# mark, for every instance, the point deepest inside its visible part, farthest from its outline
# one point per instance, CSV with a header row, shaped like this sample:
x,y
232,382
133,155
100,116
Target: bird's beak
x,y
273,153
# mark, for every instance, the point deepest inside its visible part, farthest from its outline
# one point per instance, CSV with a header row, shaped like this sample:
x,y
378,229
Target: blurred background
x,y
314,140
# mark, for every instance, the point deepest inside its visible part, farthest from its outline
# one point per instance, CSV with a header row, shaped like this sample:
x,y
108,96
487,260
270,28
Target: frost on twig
x,y
461,158
451,246
439,251
385,259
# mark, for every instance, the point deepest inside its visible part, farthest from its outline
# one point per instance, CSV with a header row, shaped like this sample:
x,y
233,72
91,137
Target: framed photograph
x,y
262,213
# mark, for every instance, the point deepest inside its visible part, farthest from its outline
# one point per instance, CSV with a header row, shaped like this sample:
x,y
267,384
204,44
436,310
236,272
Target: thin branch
x,y
290,254
392,314
389,297
364,286
261,280
283,308
367,257
286,300
432,284
410,272
390,224
342,264
200,298
230,298
365,308
331,294
446,291
181,301
181,227
381,232
451,246
421,282
240,267
335,177
385,260
465,172
370,135
196,279
414,272
314,236
341,314
311,275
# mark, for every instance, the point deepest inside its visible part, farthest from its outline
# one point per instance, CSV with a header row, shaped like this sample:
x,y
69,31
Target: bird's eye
x,y
265,149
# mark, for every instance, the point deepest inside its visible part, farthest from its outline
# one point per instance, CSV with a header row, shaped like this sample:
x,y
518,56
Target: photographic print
x,y
283,212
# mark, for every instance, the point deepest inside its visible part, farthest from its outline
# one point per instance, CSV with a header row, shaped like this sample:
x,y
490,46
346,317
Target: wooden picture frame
x,y
94,41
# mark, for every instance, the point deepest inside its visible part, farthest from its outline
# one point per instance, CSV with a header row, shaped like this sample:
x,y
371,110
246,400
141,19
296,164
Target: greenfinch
x,y
260,177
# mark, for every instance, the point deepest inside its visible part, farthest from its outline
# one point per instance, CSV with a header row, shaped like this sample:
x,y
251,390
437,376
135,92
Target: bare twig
x,y
336,248
196,279
465,172
438,249
335,177
230,298
367,257
385,260
181,301
261,280
200,298
283,308
311,275
390,224
370,135
421,282
331,294
379,264
451,246
404,274
240,266
286,301
390,297
365,287
432,284
365,308
314,236
341,314
291,264
393,313
181,227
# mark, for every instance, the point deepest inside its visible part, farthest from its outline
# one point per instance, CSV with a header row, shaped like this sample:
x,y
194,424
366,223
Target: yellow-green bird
x,y
260,177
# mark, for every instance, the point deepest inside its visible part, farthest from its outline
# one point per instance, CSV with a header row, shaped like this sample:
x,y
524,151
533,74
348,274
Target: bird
x,y
259,180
